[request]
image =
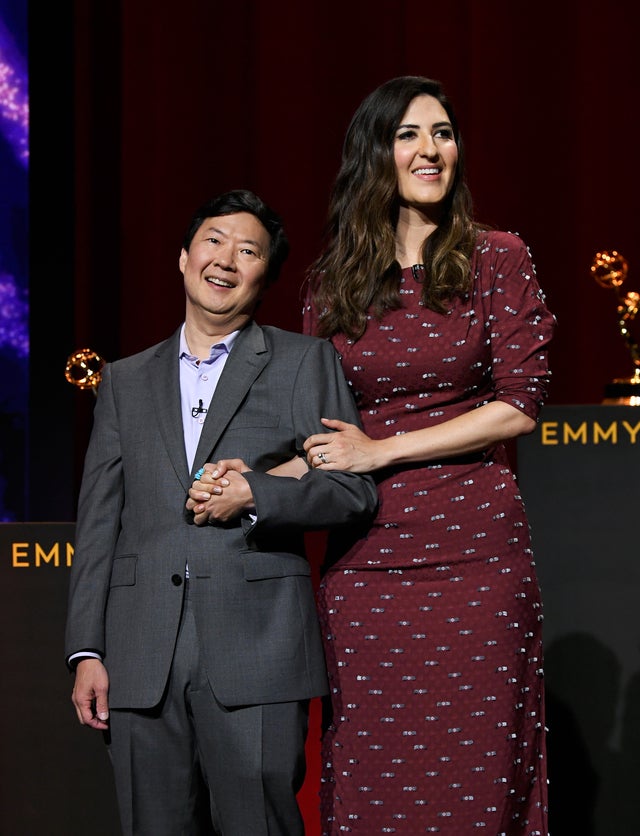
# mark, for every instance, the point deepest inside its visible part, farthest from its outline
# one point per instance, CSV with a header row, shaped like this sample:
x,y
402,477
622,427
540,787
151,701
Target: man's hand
x,y
91,694
221,493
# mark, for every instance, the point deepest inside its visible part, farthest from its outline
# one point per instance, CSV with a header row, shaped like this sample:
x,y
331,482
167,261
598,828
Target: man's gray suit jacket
x,y
251,582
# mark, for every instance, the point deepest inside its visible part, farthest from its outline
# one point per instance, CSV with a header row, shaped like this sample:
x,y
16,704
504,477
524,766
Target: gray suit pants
x,y
191,767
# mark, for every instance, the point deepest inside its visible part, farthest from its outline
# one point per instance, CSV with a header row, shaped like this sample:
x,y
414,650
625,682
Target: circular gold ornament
x,y
609,269
84,369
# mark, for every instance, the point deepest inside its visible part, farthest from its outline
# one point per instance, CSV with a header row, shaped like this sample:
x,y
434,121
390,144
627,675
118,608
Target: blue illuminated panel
x,y
14,281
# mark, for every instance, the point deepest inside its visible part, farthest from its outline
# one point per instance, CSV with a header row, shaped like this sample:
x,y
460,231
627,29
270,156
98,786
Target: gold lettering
x,y
19,550
575,435
586,432
606,435
23,558
631,430
47,557
549,430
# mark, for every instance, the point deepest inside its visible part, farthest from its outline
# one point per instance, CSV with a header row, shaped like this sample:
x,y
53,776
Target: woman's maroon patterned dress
x,y
432,623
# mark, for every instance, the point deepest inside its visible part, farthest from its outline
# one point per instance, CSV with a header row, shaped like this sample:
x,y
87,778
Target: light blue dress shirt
x,y
198,381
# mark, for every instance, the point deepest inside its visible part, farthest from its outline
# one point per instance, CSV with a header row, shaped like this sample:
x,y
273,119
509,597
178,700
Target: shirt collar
x,y
183,350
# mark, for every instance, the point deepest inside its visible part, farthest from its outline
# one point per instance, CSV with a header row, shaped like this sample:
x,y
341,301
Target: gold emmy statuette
x,y
84,369
610,270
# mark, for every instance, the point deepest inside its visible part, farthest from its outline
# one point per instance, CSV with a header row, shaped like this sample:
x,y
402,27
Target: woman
x,y
432,621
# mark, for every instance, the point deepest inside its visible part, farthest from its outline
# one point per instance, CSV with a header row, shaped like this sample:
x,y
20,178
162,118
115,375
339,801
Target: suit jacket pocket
x,y
258,566
123,572
248,418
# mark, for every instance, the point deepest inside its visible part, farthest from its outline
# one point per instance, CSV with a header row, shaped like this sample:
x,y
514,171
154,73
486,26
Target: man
x,y
197,647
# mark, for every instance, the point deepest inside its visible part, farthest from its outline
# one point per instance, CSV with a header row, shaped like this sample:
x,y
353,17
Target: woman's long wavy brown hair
x,y
358,269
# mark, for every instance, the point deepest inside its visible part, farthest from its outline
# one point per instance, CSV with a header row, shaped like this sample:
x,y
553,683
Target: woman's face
x,y
425,153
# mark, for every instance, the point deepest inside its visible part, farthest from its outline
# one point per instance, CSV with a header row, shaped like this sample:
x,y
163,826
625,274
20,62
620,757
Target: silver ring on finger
x,y
322,457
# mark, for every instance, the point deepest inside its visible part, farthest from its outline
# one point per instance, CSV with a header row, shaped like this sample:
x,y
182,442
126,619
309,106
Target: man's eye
x,y
213,240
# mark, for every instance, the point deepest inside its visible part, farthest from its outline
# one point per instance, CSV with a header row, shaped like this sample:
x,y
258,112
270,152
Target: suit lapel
x,y
247,359
164,375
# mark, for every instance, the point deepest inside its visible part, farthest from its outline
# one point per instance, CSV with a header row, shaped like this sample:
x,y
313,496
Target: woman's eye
x,y
445,133
406,135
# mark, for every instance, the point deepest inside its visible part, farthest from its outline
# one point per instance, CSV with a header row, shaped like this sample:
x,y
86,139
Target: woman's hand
x,y
348,448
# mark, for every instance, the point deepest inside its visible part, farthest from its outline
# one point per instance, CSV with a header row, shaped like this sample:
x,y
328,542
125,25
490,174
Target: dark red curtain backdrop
x,y
173,102
177,101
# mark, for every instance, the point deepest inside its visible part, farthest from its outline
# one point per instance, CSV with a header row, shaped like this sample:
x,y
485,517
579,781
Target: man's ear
x,y
184,255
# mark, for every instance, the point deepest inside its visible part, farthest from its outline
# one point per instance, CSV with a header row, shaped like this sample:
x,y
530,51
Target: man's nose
x,y
225,257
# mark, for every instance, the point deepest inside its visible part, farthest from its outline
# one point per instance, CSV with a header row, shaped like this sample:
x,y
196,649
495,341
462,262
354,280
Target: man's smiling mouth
x,y
219,282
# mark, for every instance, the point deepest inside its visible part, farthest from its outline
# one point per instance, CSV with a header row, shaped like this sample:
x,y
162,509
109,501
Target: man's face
x,y
225,268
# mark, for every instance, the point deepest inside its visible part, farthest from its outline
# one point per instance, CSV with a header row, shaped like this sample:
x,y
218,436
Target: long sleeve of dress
x,y
519,324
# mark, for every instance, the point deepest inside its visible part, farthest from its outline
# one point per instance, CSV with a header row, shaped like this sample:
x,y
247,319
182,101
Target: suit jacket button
x,y
176,580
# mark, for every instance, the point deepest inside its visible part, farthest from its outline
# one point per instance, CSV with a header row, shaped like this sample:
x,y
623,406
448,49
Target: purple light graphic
x,y
14,279
14,317
14,125
14,97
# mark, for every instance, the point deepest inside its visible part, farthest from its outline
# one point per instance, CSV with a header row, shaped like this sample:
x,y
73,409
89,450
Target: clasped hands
x,y
221,493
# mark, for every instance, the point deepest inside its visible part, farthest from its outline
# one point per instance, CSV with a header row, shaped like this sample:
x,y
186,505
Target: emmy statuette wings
x,y
610,270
